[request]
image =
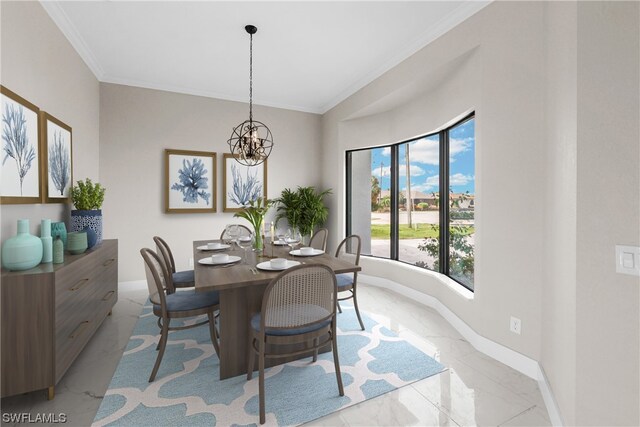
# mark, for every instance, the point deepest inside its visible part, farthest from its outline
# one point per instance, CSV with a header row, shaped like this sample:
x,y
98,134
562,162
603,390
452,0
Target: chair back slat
x,y
165,252
156,274
319,239
350,248
300,296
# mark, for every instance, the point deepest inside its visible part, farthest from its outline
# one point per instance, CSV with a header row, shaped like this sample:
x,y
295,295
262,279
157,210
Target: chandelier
x,y
251,141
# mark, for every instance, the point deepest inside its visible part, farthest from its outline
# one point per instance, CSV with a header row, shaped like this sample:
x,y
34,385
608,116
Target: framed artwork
x,y
20,160
242,184
57,175
190,181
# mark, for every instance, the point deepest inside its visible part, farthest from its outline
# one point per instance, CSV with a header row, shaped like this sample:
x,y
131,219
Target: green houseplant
x,y
303,209
87,197
254,212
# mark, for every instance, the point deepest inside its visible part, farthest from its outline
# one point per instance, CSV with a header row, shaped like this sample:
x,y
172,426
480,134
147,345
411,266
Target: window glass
x,y
462,202
419,210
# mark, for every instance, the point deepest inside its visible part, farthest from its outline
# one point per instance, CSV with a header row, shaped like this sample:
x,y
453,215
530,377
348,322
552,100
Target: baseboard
x,y
509,357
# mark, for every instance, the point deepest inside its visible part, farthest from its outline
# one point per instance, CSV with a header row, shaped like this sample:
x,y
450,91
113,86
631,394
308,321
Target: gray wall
x,y
555,90
40,65
136,125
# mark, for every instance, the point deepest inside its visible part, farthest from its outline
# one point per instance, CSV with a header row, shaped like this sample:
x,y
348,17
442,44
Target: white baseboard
x,y
509,357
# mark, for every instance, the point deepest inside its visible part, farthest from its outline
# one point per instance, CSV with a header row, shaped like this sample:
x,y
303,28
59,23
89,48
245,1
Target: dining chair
x,y
319,239
179,279
298,306
347,282
244,231
169,305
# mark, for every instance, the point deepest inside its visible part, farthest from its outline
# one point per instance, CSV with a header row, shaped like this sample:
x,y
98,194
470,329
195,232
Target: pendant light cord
x,y
250,78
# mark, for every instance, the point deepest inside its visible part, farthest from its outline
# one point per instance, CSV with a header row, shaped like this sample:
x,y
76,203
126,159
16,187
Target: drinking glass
x,y
292,238
232,232
281,233
245,242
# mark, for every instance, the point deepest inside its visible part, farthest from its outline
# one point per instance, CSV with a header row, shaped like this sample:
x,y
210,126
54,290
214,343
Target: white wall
x,y
555,90
39,64
136,125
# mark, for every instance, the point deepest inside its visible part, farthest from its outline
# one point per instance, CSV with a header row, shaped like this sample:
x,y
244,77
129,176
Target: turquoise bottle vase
x,y
22,251
47,242
58,251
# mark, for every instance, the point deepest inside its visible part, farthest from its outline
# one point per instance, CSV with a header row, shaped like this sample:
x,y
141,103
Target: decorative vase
x,y
58,250
22,251
92,238
77,242
80,219
47,242
257,241
59,229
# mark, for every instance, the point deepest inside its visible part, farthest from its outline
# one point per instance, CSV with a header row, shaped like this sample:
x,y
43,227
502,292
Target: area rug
x,y
187,390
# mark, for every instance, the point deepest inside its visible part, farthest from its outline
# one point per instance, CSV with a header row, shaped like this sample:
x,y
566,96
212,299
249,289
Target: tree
x,y
375,192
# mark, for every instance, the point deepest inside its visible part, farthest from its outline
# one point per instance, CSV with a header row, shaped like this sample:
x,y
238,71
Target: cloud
x,y
386,171
430,184
457,146
386,151
428,151
460,179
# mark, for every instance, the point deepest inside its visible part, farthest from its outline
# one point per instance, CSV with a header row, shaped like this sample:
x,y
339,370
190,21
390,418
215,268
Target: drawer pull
x,y
78,285
108,262
81,327
108,295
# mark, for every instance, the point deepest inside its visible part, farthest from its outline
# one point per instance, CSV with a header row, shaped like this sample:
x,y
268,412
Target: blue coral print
x,y
193,181
245,189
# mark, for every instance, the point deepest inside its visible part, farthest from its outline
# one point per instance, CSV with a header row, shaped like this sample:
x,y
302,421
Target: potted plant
x,y
303,209
87,197
254,212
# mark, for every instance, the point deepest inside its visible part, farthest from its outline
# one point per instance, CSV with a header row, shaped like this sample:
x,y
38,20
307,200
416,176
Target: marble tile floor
x,y
474,390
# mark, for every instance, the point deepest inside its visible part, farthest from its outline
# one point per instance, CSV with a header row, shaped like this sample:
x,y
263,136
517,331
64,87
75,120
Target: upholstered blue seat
x,y
186,277
190,300
344,280
312,311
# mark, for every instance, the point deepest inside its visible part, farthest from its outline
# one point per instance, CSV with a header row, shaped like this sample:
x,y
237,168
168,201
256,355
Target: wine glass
x,y
292,238
232,231
281,233
245,242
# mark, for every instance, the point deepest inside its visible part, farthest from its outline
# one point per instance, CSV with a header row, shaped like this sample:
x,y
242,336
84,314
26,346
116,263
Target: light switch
x,y
628,260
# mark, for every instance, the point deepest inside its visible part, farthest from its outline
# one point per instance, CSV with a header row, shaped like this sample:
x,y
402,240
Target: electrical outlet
x,y
515,325
190,262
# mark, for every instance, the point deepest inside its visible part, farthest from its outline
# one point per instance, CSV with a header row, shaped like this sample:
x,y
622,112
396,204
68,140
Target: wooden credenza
x,y
50,312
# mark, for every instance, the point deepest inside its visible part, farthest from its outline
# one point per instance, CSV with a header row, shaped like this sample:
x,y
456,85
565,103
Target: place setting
x,y
213,246
220,260
306,252
277,264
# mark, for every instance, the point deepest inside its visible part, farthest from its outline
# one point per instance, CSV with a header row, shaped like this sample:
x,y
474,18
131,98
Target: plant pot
x,y
81,219
22,251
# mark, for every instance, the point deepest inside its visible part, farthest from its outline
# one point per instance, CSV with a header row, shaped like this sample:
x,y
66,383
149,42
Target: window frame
x,y
444,182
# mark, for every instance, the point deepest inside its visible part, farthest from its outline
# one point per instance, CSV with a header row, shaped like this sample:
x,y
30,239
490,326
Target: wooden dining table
x,y
241,286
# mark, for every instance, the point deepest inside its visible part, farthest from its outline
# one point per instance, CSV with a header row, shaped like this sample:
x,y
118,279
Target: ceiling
x,y
307,56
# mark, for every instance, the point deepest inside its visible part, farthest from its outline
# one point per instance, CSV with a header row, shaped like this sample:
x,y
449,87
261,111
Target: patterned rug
x,y
187,390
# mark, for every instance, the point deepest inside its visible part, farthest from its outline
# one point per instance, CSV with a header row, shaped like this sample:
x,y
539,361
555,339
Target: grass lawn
x,y
419,231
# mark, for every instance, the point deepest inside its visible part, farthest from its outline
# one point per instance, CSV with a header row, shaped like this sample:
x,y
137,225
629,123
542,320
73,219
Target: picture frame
x,y
183,168
241,183
20,163
57,159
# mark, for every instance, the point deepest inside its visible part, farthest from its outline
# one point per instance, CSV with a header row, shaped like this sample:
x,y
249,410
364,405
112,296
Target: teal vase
x,y
22,251
59,229
58,251
47,242
77,242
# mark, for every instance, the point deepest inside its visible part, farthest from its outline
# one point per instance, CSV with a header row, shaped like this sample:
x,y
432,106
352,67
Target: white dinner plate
x,y
219,248
267,265
209,261
315,252
280,243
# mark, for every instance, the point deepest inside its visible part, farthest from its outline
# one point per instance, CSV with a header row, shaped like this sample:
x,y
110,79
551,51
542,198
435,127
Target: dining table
x,y
241,285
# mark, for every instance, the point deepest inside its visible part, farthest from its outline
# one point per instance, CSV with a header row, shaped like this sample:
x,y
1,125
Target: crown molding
x,y
60,18
454,18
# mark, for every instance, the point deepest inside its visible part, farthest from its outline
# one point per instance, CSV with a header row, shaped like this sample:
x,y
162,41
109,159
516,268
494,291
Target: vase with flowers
x,y
254,212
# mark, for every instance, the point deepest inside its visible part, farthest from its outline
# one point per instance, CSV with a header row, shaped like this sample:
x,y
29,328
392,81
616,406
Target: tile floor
x,y
475,390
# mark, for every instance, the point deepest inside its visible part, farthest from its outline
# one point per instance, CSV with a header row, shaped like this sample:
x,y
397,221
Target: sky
x,y
424,162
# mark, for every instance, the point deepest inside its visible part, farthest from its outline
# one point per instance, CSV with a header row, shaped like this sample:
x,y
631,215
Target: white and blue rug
x,y
187,390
